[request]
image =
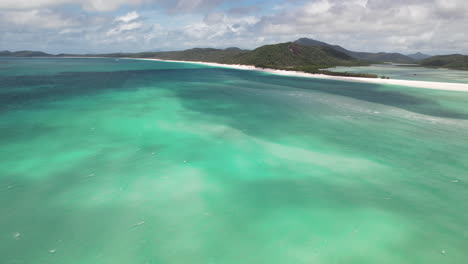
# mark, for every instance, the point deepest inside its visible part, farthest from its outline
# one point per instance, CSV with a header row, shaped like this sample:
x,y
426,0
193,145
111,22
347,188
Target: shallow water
x,y
130,161
409,73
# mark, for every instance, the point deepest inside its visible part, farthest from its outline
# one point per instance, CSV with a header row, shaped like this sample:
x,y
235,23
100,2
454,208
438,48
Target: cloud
x,y
190,5
128,17
122,25
374,25
214,18
243,10
31,4
220,27
125,27
44,19
173,6
432,26
91,5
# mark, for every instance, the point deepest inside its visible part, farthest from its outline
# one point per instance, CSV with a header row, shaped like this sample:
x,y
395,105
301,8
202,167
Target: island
x,y
302,55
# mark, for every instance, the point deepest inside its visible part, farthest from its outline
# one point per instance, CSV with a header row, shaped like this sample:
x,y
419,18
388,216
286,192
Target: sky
x,y
98,26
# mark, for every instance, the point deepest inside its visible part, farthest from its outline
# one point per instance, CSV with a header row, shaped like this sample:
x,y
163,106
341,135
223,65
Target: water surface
x,y
128,161
409,73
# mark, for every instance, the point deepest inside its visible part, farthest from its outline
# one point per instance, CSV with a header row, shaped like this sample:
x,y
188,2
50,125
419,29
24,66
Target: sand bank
x,y
418,84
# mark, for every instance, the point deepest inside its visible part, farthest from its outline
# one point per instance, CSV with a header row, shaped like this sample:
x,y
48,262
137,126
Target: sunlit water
x,y
409,73
127,161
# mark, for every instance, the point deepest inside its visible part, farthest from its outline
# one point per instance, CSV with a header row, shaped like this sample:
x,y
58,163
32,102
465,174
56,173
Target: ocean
x,y
407,72
125,161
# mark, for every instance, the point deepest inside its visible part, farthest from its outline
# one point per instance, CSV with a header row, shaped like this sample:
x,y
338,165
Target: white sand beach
x,y
462,87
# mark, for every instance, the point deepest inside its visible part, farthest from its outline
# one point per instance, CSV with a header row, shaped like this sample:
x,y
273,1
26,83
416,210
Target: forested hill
x,y
286,56
303,53
277,55
291,54
455,61
197,54
418,56
369,56
24,53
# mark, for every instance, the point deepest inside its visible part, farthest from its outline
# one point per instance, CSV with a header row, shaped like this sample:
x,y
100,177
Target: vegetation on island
x,y
24,53
197,54
418,56
305,55
291,54
379,57
284,56
319,70
455,61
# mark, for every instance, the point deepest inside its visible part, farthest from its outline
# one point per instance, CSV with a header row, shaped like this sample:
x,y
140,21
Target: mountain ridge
x,y
24,53
307,53
453,61
419,56
369,56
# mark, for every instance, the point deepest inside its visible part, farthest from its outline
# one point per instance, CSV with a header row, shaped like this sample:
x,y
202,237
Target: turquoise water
x,y
128,161
409,73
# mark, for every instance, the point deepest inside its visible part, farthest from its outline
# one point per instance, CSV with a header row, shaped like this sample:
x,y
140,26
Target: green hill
x,y
24,53
292,55
197,54
384,57
277,55
455,61
369,56
418,56
285,56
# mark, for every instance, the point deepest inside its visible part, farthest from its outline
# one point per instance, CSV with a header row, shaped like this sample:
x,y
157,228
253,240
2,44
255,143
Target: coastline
x,y
459,87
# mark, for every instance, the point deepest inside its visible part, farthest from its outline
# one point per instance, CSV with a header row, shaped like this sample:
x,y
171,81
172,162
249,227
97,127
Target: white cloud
x,y
107,5
219,28
176,6
375,25
432,26
36,19
214,18
128,17
189,5
30,4
124,27
317,7
92,5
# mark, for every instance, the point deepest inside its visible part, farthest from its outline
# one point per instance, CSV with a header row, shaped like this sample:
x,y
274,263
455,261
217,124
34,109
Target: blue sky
x,y
90,26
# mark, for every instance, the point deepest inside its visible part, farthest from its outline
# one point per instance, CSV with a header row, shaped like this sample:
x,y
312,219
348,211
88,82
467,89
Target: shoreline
x,y
459,87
